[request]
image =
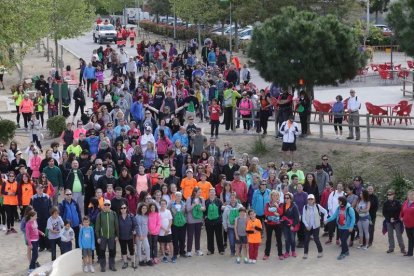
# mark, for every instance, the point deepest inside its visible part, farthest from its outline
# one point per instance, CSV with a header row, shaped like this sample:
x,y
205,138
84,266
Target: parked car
x,y
104,32
386,31
246,34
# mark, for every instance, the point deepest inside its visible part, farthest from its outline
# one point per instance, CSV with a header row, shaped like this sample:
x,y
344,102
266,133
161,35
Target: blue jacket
x,y
93,144
87,238
349,219
259,201
211,57
70,211
137,111
182,137
89,73
167,132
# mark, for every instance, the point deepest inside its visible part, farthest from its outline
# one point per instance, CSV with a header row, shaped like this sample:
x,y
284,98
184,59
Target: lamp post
x,y
367,30
230,32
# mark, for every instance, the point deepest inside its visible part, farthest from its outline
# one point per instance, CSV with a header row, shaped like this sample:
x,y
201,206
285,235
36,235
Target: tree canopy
x,y
296,45
401,20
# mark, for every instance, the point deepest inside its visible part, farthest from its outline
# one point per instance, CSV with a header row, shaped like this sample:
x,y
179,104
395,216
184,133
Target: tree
x,y
20,29
300,45
377,7
159,7
104,7
401,20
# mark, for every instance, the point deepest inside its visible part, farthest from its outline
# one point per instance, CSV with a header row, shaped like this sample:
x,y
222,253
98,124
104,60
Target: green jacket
x,y
107,225
54,175
234,94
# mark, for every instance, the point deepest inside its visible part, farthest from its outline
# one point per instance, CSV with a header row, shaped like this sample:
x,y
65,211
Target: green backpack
x,y
179,219
191,107
213,212
197,213
234,213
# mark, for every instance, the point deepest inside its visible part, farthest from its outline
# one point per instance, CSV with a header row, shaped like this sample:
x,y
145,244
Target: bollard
x,y
368,129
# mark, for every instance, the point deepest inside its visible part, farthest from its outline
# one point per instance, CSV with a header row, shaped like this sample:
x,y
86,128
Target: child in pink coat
x,y
154,226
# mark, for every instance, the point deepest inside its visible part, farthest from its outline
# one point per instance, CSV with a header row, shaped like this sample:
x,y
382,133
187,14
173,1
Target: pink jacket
x,y
154,223
246,106
26,106
35,166
78,131
32,231
163,145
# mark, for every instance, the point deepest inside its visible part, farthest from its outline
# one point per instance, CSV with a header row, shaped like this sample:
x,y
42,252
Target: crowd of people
x,y
140,172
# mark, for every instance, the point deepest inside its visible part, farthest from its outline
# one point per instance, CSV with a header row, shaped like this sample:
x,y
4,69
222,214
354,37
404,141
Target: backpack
x,y
229,100
212,211
234,213
319,212
191,107
179,219
248,74
197,213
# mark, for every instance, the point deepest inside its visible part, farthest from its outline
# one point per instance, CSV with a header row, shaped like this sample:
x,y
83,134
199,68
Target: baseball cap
x,y
189,170
18,152
148,128
107,201
311,196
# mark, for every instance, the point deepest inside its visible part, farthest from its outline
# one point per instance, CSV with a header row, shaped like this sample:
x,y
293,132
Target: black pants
x,y
371,230
338,123
36,140
153,240
40,116
277,228
214,127
332,226
193,230
127,244
111,244
214,229
26,118
89,83
343,235
246,123
264,117
301,233
228,118
76,231
315,234
178,237
18,114
77,106
2,215
10,211
53,243
410,236
303,116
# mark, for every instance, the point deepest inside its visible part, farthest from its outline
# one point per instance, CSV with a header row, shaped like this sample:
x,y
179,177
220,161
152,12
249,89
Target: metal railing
x,y
406,82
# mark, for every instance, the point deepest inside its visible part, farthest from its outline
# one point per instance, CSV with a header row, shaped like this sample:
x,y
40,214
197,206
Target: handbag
x,y
108,98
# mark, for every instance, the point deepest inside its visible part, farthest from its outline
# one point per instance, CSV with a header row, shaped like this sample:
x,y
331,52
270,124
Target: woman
x,y
407,217
52,104
9,190
178,227
142,181
362,209
120,157
345,218
391,210
47,185
211,177
265,112
194,208
246,107
163,144
310,186
124,179
39,103
82,66
272,181
149,156
304,109
273,223
289,213
26,109
34,164
67,136
25,191
127,225
338,111
136,160
18,98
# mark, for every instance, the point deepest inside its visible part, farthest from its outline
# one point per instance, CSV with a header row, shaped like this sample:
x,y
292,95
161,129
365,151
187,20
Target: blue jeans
x,y
290,243
65,247
343,236
232,240
35,254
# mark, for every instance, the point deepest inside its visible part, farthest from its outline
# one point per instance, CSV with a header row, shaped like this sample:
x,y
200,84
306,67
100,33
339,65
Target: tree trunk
x,y
57,70
199,34
309,90
236,36
376,17
222,28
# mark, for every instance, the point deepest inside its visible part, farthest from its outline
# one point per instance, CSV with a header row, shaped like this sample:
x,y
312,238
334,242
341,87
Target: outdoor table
x,y
389,108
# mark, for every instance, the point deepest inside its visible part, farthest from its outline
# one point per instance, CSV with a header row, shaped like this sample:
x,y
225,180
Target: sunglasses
x,y
106,204
160,178
123,208
287,197
325,159
68,194
311,199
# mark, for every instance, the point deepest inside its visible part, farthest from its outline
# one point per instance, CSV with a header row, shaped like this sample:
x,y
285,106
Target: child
x,y
324,202
253,230
32,237
110,194
215,111
23,229
154,226
165,236
142,235
66,237
54,226
35,126
87,244
240,234
132,36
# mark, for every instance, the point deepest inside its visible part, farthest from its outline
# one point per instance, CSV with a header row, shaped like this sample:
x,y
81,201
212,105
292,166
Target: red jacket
x,y
214,112
267,214
325,197
132,203
241,190
407,214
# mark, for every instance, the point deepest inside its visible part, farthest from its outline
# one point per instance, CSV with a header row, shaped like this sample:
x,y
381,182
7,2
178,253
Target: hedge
x,y
8,129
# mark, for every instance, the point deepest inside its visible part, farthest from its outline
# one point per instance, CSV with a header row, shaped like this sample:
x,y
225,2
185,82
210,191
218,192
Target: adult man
x,y
326,166
106,179
229,102
245,74
74,148
239,187
198,141
212,149
322,179
76,183
121,125
353,108
391,211
173,179
285,108
332,206
97,173
230,168
118,201
372,212
107,232
182,136
69,210
157,186
41,204
213,222
232,76
89,76
54,175
80,102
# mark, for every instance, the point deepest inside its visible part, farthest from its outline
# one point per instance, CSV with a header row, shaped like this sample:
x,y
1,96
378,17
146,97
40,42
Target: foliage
x,y
105,7
197,11
302,45
160,7
8,129
375,38
259,146
56,125
399,183
377,7
401,20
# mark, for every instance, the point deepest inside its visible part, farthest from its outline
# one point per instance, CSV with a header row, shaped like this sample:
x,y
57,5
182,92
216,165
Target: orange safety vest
x,y
10,199
27,193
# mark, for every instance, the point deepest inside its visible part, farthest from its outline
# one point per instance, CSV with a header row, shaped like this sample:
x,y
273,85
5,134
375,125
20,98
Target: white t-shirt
x,y
165,221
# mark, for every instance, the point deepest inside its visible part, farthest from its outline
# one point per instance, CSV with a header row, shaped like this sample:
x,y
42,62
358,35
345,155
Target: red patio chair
x,y
375,110
322,107
403,73
405,112
374,67
397,67
400,104
410,64
383,66
385,75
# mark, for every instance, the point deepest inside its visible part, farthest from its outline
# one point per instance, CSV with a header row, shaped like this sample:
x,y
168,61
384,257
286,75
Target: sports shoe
x,y
265,258
188,254
142,263
3,227
390,251
286,255
359,246
91,269
305,256
174,259
365,247
238,260
294,254
254,261
281,258
199,253
156,261
250,261
341,257
328,242
209,253
320,255
149,263
125,265
346,253
245,260
85,269
165,259
8,232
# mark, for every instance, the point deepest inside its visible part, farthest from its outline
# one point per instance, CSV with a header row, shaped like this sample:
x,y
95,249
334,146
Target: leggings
x,y
127,244
18,114
264,117
36,140
338,124
10,211
40,115
153,240
363,227
2,215
214,127
26,118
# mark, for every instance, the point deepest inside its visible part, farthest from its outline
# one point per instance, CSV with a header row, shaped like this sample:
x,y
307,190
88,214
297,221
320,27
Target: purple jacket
x,y
301,200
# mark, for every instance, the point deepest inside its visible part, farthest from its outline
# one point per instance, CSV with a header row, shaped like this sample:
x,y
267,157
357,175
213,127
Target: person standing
x,y
363,207
76,183
107,233
332,206
273,223
373,199
289,130
54,227
178,227
26,109
291,223
353,108
265,111
391,211
80,102
213,222
229,104
338,113
194,206
89,74
254,236
127,226
300,198
42,205
260,197
69,210
54,175
9,190
304,109
407,217
32,238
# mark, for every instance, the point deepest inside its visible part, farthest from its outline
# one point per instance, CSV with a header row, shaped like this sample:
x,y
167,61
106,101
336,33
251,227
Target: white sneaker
x,y
91,269
253,261
365,247
3,227
199,253
85,268
250,261
188,254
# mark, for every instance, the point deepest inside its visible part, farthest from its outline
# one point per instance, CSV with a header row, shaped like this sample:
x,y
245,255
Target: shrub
x,y
400,184
56,125
7,132
259,146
